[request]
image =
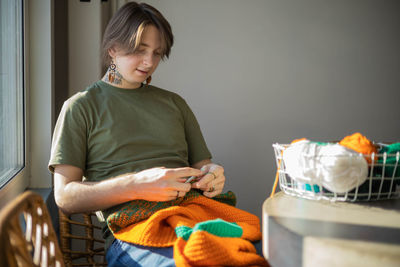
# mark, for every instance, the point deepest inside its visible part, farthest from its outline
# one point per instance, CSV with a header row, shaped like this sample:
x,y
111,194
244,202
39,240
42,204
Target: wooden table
x,y
301,232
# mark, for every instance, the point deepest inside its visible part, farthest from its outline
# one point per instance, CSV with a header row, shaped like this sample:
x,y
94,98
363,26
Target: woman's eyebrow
x,y
146,45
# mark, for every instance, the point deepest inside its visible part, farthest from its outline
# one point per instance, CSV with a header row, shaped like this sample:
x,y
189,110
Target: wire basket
x,y
378,186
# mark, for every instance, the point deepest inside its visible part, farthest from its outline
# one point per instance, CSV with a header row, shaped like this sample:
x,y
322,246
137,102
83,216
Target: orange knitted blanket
x,y
202,247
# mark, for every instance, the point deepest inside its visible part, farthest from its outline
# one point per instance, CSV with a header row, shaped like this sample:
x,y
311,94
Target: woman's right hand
x,y
162,184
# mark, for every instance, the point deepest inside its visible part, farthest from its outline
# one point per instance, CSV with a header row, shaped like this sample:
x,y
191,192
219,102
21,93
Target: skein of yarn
x,y
333,166
359,143
392,167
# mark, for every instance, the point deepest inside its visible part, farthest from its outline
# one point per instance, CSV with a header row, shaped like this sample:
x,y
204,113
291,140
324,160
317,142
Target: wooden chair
x,y
81,231
27,237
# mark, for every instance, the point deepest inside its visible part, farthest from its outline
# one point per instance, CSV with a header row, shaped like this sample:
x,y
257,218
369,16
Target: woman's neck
x,y
115,78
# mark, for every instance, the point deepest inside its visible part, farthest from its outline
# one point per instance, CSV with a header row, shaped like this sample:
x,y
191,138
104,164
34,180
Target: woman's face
x,y
137,66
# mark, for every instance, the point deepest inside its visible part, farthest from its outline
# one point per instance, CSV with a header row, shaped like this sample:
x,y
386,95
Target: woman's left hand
x,y
213,180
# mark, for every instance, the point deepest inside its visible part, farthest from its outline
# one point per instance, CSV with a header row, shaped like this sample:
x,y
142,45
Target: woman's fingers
x,y
208,180
183,172
205,180
171,183
163,184
179,176
214,190
213,181
184,187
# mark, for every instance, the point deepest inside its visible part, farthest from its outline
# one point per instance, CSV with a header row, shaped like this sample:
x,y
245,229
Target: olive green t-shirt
x,y
107,131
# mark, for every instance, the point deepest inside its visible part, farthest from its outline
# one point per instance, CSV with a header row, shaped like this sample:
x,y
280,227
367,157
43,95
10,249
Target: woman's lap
x,y
126,254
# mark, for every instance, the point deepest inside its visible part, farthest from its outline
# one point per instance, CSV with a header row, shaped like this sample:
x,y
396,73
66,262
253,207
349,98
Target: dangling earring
x,y
111,73
148,80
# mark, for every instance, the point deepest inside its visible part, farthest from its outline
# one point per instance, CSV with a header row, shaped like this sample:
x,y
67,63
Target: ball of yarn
x,y
359,143
392,163
333,166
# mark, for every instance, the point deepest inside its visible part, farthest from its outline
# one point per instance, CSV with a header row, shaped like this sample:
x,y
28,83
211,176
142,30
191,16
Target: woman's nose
x,y
148,59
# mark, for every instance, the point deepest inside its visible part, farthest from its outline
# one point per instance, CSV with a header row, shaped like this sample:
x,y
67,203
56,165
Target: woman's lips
x,y
142,72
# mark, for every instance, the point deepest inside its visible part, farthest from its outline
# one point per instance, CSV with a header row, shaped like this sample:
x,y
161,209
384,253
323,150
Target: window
x,y
12,105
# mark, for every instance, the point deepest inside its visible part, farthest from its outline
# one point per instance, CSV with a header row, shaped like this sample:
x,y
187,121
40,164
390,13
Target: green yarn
x,y
312,188
183,231
322,143
391,151
216,227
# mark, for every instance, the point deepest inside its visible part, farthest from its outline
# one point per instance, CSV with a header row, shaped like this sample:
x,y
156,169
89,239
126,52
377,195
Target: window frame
x,y
38,81
20,181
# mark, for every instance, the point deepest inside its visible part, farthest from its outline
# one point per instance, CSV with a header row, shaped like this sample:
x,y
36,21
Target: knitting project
x,y
203,231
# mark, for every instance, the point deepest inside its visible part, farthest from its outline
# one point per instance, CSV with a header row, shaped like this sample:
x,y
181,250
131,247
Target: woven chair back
x,y
27,237
83,233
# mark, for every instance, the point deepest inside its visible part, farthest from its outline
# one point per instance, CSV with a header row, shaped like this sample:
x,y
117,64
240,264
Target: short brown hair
x,y
127,25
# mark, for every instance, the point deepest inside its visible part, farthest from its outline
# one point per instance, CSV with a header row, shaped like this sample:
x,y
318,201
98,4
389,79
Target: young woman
x,y
122,139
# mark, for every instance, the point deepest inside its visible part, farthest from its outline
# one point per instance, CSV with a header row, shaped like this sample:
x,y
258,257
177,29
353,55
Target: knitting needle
x,y
190,179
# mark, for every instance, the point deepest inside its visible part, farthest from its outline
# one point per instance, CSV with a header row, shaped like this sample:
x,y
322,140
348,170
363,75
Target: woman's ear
x,y
112,52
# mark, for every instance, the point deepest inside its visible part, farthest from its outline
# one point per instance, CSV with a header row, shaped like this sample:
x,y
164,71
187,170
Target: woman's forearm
x,y
77,196
156,184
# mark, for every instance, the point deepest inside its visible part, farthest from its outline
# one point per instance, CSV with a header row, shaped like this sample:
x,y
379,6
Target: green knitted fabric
x,y
183,231
139,210
391,151
321,143
216,227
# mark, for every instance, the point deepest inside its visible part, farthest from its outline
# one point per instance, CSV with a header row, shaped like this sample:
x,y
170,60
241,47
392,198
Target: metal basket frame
x,y
378,187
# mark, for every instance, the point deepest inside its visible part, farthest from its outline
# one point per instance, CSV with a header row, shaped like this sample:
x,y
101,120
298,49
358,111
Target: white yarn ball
x,y
300,162
333,166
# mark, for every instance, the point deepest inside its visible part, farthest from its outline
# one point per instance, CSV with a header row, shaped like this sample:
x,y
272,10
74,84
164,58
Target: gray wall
x,y
259,72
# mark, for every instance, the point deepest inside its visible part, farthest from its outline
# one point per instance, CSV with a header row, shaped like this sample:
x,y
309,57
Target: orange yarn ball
x,y
359,143
298,140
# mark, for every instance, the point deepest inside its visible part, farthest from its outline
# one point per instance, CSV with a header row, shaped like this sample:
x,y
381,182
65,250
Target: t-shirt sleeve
x,y
69,141
197,147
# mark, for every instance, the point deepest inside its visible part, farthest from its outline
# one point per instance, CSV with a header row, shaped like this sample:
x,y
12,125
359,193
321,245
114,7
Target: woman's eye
x,y
140,52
